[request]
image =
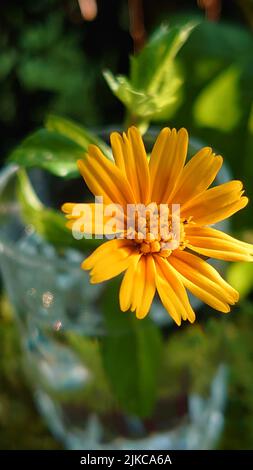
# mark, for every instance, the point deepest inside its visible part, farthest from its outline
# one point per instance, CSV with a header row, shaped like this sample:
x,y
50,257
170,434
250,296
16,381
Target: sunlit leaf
x,y
49,150
77,133
154,77
218,105
240,276
143,104
150,69
57,148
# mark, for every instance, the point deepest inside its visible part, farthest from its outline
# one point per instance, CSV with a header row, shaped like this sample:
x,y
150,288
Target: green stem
x,y
133,120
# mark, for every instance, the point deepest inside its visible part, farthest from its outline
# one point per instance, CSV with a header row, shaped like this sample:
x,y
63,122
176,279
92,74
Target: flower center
x,y
157,230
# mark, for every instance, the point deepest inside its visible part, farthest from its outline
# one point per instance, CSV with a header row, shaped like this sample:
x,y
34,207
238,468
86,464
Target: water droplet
x,y
57,325
31,292
47,299
29,229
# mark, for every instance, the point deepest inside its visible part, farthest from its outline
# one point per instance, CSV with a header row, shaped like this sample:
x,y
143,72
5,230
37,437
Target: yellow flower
x,y
148,263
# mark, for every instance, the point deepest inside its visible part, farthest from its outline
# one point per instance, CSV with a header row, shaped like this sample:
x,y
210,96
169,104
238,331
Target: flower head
x,y
164,248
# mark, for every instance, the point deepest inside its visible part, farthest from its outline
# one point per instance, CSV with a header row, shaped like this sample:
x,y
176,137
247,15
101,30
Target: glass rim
x,y
12,250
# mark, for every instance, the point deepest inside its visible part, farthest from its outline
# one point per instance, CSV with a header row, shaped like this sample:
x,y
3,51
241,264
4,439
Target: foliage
x,y
57,147
217,105
152,89
240,276
131,351
43,66
48,58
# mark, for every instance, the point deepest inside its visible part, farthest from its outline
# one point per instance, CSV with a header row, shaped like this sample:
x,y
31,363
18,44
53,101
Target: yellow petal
x,y
216,244
127,284
215,204
130,157
148,286
138,286
112,266
104,251
204,281
88,219
171,276
168,298
141,164
118,151
166,163
197,175
103,178
68,207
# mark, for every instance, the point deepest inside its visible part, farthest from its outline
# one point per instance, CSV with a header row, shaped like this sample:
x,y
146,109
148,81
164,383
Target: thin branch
x,y
212,8
136,24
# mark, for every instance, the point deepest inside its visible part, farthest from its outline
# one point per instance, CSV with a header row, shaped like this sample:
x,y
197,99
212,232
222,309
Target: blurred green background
x,y
51,61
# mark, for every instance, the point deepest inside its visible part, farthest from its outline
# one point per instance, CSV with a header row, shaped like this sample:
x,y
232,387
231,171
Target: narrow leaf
x,y
76,133
152,89
131,352
57,148
49,150
160,51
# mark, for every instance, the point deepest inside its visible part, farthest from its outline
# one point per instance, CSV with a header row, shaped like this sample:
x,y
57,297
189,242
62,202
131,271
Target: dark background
x,y
51,60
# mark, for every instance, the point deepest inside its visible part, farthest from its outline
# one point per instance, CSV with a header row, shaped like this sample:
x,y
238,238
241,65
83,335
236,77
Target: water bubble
x,y
29,229
57,325
31,292
47,299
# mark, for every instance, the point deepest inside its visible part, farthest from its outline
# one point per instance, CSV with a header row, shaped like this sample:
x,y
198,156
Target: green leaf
x,y
57,148
7,62
131,352
49,150
206,41
154,80
40,36
47,222
77,133
150,69
140,103
96,393
218,105
240,276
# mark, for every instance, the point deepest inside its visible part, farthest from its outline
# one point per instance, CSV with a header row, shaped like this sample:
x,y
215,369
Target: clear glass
x,y
61,325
